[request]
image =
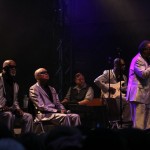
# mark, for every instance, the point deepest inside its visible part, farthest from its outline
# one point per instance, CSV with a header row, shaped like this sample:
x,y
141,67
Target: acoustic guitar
x,y
117,92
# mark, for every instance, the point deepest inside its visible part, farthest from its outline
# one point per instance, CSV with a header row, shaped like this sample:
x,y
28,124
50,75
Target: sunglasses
x,y
122,64
43,72
147,49
12,66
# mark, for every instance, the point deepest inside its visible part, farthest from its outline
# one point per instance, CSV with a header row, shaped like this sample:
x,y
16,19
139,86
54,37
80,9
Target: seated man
x,y
81,93
109,83
78,97
9,106
47,104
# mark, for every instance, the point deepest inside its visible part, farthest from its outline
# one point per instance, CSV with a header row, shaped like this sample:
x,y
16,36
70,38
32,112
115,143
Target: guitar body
x,y
116,94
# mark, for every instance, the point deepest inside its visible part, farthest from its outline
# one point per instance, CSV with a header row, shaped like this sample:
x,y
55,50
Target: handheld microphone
x,y
68,111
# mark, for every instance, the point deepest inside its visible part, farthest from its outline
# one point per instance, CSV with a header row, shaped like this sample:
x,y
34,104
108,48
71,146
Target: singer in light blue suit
x,y
138,92
47,103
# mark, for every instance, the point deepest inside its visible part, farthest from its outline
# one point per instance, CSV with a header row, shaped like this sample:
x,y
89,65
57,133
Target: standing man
x,y
47,104
109,83
9,106
138,92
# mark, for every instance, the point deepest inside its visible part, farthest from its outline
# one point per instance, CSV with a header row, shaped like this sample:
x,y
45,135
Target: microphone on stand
x,y
119,51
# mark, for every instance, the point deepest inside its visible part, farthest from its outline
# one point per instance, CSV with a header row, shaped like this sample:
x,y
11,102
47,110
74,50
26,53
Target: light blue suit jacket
x,y
139,80
41,100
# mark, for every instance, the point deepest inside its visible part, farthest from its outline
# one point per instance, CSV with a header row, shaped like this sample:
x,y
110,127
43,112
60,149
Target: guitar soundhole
x,y
122,84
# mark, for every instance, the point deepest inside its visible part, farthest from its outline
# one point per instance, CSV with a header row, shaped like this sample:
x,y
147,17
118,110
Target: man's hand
x,y
19,112
63,111
6,108
112,90
64,101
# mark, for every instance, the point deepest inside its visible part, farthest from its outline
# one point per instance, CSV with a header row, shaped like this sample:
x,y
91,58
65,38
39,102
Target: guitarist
x,y
109,83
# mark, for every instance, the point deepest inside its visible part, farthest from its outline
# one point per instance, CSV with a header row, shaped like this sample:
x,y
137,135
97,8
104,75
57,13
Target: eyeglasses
x,y
43,72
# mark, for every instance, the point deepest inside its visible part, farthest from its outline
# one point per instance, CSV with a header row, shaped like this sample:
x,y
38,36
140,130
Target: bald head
x,y
8,63
41,74
119,63
9,67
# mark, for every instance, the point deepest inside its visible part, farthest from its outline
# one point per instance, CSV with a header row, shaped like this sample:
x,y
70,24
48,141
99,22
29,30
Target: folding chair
x,y
113,113
39,126
42,126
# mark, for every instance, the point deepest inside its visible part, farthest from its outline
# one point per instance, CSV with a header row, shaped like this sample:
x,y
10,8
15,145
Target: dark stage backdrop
x,y
29,34
105,29
98,30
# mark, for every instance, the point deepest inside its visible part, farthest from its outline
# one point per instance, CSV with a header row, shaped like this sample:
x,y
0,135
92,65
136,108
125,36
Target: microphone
x,y
68,111
119,51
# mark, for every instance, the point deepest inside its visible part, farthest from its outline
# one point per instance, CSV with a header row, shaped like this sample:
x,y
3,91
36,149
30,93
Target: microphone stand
x,y
109,62
120,73
109,67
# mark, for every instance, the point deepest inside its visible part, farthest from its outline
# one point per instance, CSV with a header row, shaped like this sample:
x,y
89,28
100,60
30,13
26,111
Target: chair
x,y
113,115
42,126
17,129
39,126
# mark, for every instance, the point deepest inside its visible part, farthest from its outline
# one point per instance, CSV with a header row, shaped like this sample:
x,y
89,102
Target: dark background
x,y
66,36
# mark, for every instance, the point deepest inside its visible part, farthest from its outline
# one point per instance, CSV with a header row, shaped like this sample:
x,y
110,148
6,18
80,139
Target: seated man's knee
x,y
28,116
76,115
